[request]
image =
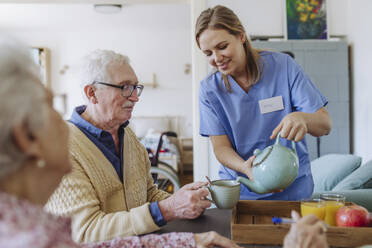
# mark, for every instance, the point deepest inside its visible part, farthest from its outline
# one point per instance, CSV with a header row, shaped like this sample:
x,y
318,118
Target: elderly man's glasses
x,y
127,89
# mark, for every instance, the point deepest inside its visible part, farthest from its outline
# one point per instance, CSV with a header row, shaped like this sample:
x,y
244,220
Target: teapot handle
x,y
293,143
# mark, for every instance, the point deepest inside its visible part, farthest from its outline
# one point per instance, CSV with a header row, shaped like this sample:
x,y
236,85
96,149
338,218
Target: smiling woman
x,y
232,99
221,46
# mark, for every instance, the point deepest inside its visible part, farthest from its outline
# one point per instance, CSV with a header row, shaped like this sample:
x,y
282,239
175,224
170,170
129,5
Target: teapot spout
x,y
252,185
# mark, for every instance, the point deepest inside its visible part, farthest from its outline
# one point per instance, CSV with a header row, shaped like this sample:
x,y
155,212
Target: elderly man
x,y
110,192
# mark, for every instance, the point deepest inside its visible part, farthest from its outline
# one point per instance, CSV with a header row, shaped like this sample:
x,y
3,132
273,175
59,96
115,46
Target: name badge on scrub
x,y
271,104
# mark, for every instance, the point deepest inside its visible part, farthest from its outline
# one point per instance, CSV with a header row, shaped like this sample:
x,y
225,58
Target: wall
x,y
155,37
360,38
266,17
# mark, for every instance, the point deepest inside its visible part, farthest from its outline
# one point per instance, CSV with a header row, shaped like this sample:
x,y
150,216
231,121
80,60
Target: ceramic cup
x,y
225,193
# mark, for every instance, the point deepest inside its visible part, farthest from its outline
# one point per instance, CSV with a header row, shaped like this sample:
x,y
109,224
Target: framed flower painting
x,y
306,19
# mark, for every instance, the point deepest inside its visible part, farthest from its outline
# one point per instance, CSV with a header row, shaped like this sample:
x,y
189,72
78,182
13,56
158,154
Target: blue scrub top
x,y
237,115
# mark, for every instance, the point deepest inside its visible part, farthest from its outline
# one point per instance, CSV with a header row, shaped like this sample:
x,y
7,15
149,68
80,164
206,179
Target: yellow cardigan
x,y
101,206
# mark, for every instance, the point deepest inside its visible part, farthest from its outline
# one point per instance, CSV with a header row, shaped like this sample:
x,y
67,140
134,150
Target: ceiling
x,y
45,17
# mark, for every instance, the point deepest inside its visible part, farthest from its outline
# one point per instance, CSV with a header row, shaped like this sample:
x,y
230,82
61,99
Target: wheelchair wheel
x,y
165,179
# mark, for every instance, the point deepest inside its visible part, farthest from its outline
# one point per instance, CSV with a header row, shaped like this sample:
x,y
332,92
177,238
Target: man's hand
x,y
212,239
187,203
307,232
292,127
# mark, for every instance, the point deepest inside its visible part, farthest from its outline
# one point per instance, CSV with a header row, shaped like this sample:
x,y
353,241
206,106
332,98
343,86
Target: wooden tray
x,y
251,223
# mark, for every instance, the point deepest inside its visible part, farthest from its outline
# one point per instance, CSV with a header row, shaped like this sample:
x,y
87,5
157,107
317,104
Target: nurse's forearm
x,y
229,158
318,123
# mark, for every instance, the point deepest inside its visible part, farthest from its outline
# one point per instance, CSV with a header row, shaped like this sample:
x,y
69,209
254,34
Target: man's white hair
x,y
95,65
21,101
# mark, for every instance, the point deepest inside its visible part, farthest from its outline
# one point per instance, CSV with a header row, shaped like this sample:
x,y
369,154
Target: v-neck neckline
x,y
237,85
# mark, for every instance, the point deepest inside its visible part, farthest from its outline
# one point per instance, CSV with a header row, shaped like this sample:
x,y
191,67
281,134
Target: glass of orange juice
x,y
333,203
316,207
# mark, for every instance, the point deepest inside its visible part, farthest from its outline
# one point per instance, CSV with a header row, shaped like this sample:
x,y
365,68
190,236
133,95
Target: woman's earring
x,y
40,163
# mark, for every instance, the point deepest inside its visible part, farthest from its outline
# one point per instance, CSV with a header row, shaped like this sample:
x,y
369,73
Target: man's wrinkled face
x,y
112,105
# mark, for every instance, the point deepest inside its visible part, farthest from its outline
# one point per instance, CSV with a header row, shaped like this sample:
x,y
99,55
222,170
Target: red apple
x,y
353,215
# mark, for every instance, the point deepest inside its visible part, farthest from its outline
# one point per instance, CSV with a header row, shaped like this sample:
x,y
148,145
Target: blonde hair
x,y
221,17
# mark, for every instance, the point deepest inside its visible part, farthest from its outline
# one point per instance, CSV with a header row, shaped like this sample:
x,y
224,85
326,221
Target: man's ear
x,y
90,94
26,142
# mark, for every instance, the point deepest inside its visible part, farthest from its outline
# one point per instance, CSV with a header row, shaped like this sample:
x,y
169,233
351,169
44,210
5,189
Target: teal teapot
x,y
274,168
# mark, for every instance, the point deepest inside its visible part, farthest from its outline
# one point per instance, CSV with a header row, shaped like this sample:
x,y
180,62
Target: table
x,y
213,219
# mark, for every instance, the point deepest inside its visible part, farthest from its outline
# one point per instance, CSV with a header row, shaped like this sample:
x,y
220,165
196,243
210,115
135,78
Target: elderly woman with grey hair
x,y
33,159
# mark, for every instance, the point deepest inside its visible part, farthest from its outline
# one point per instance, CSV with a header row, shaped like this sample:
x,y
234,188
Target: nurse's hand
x,y
247,167
248,170
292,127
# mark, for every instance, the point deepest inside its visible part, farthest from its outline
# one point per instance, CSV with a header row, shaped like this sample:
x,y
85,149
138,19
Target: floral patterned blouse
x,y
23,224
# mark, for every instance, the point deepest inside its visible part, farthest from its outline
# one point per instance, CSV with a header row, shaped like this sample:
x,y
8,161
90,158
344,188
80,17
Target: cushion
x,y
367,185
359,179
330,169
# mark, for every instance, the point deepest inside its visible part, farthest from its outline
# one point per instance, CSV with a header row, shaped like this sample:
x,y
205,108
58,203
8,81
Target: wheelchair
x,y
164,175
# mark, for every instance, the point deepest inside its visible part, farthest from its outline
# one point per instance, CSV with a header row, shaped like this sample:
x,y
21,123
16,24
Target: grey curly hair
x,y
22,101
94,66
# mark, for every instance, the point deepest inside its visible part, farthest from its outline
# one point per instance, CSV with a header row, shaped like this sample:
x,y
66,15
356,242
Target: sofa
x,y
344,174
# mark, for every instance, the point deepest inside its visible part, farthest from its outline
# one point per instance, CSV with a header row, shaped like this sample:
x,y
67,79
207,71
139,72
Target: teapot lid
x,y
261,155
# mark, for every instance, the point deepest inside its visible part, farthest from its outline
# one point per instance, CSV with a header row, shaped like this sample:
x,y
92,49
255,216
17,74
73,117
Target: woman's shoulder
x,y
212,77
271,56
29,225
211,82
277,61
